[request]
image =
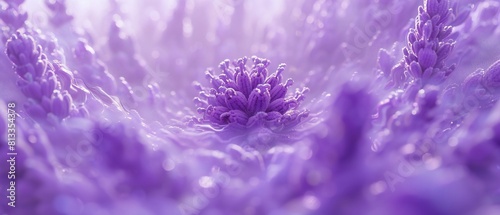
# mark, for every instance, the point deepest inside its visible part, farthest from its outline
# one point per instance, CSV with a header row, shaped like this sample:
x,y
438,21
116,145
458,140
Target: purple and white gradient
x,y
250,107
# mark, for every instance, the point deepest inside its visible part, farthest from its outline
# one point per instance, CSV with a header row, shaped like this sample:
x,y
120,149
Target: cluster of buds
x,y
246,96
47,94
428,45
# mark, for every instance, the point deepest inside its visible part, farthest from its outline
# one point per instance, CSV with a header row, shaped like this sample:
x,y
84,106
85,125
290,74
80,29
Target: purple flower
x,y
247,96
428,46
47,97
12,15
60,16
491,79
125,61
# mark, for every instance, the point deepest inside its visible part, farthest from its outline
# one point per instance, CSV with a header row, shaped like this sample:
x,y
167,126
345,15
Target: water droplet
x,y
206,182
168,164
311,202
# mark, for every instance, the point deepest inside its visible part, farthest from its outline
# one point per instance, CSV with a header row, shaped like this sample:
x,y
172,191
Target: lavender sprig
x,y
428,46
481,89
39,81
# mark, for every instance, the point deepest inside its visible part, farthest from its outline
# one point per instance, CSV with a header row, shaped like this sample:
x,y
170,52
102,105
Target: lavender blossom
x,y
46,97
246,97
481,89
428,45
60,16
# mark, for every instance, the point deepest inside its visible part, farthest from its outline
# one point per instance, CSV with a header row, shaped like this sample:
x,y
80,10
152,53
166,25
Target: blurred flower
x,y
12,15
60,16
